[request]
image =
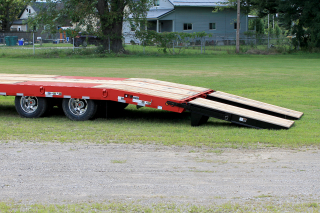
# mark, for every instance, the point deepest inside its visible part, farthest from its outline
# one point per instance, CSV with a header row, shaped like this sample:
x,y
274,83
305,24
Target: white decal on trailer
x,y
242,119
51,94
135,99
121,99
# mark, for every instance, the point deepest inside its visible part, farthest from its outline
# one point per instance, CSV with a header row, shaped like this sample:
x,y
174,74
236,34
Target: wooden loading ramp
x,y
253,105
201,109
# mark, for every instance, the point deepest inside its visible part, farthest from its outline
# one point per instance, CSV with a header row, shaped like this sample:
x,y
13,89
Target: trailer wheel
x,y
30,106
79,109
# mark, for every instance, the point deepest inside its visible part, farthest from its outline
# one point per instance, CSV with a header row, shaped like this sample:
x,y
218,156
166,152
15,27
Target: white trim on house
x,y
29,11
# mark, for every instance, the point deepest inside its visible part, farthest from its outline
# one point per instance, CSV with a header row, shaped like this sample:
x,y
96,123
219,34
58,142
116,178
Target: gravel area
x,y
68,173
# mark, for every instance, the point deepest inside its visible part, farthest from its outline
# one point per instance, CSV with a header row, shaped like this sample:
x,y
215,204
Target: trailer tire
x,y
30,106
79,109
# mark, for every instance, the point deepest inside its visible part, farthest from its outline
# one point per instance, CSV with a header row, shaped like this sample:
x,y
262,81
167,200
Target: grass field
x,y
290,81
125,207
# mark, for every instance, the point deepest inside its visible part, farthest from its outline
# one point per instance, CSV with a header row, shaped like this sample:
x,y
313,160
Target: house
x,y
30,10
191,16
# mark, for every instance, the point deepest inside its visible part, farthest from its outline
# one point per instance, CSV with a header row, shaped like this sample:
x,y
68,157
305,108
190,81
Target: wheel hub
x,y
77,106
29,104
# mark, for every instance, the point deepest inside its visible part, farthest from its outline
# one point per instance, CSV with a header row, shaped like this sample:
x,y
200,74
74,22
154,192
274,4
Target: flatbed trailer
x,y
80,98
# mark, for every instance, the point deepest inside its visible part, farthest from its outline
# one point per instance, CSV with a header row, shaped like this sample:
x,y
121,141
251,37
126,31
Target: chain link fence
x,y
212,44
27,37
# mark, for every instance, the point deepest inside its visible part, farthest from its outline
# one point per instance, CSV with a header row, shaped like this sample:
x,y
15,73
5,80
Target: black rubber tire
x,y
88,114
40,111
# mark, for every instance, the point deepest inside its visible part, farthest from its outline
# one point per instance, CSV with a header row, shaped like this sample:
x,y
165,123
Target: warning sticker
x,y
243,119
48,94
121,99
140,103
135,99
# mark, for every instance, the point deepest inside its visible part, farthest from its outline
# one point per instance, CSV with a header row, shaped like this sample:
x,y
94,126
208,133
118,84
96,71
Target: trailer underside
x,y
80,95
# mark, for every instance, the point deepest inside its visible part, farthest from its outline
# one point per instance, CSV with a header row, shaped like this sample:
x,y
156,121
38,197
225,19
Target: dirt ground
x,y
68,173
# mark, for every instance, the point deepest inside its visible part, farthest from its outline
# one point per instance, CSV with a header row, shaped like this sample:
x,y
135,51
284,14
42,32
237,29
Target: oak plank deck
x,y
242,112
9,81
27,75
257,104
144,91
165,83
142,86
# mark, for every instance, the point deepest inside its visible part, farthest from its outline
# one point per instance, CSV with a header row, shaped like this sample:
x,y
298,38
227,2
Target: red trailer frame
x,y
80,96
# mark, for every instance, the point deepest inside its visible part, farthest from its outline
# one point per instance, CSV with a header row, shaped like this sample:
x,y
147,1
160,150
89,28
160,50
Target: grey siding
x,y
200,17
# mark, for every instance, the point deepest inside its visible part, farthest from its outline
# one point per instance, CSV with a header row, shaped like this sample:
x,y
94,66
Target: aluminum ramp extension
x,y
201,109
253,105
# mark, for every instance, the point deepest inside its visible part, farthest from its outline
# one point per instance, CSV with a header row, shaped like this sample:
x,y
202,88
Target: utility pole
x,y
33,43
273,22
268,32
238,28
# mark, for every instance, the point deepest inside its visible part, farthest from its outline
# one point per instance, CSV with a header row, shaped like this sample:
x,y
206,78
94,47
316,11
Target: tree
x,y
9,11
303,18
101,17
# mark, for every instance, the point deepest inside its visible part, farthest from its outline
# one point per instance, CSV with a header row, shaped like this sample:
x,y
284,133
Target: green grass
x,y
131,207
290,81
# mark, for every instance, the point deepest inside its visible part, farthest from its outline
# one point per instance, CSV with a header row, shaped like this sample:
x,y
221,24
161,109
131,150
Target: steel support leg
x,y
198,119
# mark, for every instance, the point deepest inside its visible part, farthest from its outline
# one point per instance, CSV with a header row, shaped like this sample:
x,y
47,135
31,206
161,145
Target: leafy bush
x,y
167,41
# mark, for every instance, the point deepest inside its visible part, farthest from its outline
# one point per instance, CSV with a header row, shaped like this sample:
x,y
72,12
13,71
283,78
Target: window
x,y
133,27
212,26
187,26
29,10
156,2
235,25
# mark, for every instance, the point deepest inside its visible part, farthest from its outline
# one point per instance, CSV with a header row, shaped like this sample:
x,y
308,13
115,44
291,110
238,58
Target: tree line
x,y
105,17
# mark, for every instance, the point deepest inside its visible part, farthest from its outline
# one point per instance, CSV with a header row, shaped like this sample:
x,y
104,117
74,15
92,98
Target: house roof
x,y
35,5
18,22
199,3
156,13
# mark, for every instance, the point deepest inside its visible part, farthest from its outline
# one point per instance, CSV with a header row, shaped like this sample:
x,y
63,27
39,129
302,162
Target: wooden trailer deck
x,y
137,85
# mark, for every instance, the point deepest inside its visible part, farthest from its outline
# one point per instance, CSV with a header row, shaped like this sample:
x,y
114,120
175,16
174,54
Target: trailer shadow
x,y
150,116
8,111
158,116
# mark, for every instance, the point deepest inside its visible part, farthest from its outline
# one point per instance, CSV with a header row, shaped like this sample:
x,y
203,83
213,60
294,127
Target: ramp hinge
x,y
182,105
